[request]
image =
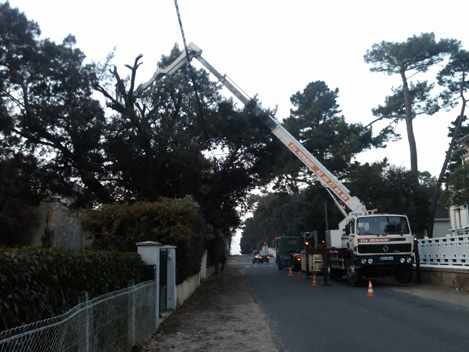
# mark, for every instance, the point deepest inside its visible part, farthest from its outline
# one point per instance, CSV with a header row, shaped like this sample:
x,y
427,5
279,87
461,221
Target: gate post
x,y
150,253
171,296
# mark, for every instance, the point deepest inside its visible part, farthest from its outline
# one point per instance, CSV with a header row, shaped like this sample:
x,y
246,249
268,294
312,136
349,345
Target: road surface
x,y
343,318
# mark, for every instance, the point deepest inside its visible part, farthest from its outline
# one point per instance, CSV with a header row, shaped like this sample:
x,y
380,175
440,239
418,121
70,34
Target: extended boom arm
x,y
327,180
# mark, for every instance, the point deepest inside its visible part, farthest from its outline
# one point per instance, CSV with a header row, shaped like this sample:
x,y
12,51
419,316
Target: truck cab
x,y
377,245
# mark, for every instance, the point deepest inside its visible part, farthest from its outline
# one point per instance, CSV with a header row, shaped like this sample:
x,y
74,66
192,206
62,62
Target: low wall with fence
x,y
445,260
113,322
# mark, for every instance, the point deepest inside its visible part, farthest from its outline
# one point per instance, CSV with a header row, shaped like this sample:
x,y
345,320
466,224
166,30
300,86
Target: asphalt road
x,y
342,318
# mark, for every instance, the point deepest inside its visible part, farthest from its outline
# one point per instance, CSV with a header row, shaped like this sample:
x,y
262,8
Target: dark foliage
x,y
169,222
37,284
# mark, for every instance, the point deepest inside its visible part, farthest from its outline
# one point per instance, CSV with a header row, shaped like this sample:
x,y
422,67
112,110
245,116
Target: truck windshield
x,y
382,225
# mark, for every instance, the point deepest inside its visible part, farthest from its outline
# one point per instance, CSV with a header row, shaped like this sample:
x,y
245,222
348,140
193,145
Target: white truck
x,y
366,244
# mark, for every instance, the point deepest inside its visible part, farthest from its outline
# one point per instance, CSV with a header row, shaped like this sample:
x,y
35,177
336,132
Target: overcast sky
x,y
272,48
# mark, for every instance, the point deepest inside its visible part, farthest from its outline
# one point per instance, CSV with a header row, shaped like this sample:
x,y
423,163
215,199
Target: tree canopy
x,y
316,122
163,144
182,137
416,55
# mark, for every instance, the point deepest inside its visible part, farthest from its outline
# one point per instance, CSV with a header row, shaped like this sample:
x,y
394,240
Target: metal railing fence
x,y
450,251
113,322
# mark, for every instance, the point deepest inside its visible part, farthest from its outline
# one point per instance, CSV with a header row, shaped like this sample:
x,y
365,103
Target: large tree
x,y
407,59
454,77
458,191
178,139
161,144
316,121
390,189
47,109
284,214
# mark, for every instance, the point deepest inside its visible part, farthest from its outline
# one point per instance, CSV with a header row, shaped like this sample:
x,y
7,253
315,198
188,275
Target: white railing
x,y
113,322
450,251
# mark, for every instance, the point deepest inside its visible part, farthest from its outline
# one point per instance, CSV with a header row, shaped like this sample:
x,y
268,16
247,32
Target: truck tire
x,y
354,275
404,274
333,273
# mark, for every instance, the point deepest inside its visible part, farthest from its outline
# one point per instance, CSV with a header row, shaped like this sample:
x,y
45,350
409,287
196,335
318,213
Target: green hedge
x,y
37,283
175,222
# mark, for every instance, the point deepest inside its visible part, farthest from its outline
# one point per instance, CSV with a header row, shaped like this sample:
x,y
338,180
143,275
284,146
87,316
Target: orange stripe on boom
x,y
312,165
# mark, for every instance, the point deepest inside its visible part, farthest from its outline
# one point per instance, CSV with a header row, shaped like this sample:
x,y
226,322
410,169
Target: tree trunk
x,y
410,129
436,196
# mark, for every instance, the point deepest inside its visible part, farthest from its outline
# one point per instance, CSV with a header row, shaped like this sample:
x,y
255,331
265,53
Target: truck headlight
x,y
409,260
370,261
402,260
363,261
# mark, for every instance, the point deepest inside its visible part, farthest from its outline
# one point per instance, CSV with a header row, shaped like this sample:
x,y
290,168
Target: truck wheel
x,y
354,275
404,274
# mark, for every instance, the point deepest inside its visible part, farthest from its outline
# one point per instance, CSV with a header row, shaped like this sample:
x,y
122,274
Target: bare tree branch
x,y
384,117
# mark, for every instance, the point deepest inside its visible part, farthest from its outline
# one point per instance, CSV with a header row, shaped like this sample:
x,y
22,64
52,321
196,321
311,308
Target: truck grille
x,y
385,248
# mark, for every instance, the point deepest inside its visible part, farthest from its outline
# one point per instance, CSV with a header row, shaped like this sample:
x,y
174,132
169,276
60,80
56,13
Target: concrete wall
x,y
448,277
188,287
57,226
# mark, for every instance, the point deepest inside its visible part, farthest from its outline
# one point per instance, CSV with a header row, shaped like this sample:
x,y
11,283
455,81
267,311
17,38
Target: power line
x,y
189,66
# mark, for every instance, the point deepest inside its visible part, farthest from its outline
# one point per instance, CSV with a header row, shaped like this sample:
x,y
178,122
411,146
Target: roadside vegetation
x,y
74,129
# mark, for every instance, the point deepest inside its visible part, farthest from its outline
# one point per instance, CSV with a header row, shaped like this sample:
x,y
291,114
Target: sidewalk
x,y
220,316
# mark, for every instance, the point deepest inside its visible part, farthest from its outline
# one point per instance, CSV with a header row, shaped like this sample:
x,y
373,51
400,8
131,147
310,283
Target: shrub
x,y
175,222
38,283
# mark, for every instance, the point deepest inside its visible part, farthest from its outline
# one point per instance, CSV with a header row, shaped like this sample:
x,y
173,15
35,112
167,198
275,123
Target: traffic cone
x,y
314,283
289,271
370,290
299,274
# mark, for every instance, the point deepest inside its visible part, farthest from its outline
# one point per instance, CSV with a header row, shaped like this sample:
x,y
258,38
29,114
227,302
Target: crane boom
x,y
327,179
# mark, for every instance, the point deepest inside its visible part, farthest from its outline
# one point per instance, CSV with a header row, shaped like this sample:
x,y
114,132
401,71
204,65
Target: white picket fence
x,y
451,251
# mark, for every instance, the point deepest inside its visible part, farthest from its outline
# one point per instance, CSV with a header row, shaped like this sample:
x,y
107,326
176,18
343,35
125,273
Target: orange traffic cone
x,y
370,290
289,271
299,274
314,283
